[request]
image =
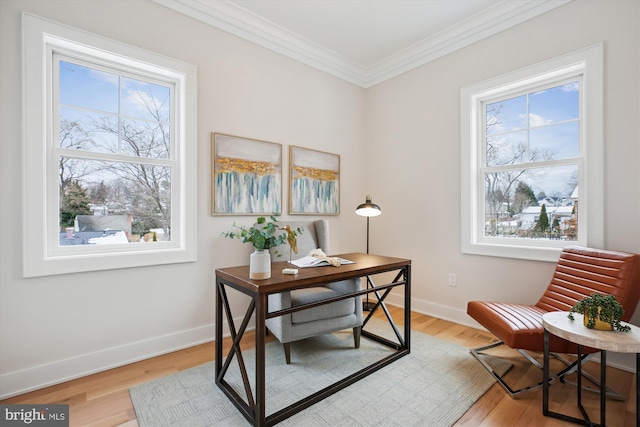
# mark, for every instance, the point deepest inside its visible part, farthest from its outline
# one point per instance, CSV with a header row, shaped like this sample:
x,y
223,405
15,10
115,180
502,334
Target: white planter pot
x,y
260,265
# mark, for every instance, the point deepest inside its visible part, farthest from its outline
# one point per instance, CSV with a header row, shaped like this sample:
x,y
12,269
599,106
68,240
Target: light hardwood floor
x,y
103,399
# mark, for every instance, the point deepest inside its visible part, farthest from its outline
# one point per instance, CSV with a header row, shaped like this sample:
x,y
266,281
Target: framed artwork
x,y
247,176
315,182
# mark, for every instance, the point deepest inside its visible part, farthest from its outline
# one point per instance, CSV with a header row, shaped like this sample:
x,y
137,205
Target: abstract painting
x,y
247,176
315,182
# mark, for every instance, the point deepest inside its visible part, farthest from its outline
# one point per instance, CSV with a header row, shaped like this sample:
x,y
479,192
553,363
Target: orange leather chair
x,y
579,272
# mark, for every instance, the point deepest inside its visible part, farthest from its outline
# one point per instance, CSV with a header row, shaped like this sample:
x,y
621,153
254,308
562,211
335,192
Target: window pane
x,y
88,131
561,141
145,100
88,88
145,139
556,104
112,202
514,200
507,149
506,116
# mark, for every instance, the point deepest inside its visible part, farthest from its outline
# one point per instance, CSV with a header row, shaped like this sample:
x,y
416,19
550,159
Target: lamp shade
x,y
368,208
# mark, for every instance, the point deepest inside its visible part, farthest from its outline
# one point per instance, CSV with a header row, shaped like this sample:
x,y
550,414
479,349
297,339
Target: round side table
x,y
557,323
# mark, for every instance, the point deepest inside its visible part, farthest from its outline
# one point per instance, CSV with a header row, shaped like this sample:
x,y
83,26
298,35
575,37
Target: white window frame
x,y
587,63
42,254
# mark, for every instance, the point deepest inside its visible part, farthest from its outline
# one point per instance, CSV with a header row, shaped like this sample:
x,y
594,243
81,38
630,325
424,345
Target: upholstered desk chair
x,y
579,272
319,320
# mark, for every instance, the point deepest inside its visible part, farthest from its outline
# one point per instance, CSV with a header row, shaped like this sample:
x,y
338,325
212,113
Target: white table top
x,y
560,325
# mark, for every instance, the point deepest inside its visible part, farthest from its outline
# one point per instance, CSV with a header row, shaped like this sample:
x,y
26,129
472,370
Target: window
x,y
109,141
532,159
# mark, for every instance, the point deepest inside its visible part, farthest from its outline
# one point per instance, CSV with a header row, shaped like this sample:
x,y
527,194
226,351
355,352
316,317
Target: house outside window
x,y
532,159
110,153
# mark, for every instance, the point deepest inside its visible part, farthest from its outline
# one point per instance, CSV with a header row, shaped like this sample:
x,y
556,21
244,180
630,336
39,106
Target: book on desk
x,y
311,261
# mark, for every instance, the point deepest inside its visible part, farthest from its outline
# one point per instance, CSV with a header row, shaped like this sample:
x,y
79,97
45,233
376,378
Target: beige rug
x,y
433,386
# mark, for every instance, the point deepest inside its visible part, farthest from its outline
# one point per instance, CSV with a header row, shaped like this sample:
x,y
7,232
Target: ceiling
x,y
363,41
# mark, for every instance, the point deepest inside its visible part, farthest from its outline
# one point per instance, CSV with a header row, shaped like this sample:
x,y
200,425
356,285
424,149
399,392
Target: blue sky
x,y
98,90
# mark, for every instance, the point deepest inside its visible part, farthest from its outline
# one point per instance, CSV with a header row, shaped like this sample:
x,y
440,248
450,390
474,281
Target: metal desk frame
x,y
237,278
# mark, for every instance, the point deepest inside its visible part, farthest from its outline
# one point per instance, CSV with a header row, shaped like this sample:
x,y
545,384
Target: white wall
x,y
406,132
56,327
413,128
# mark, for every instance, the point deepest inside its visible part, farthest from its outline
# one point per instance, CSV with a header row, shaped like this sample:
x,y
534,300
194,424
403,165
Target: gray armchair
x,y
319,320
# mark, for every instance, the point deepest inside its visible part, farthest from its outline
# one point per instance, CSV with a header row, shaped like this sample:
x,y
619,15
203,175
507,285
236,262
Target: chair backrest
x,y
582,271
315,234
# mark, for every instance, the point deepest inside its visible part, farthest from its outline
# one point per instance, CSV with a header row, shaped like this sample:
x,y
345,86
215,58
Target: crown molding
x,y
249,26
500,17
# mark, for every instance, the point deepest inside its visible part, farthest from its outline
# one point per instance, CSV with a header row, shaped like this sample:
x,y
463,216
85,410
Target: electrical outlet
x,y
452,279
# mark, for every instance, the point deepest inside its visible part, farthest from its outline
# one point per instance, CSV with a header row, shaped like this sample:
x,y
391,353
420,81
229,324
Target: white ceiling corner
x,y
468,26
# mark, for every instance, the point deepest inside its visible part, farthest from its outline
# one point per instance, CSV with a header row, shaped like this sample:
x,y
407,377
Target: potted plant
x,y
263,235
600,312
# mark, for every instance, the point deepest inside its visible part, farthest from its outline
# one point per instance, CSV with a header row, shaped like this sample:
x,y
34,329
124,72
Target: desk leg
x,y
403,341
249,408
261,312
407,308
218,337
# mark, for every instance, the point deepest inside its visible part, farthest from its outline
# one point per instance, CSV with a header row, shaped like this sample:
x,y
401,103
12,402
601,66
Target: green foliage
x,y
543,222
75,201
262,235
523,197
603,307
138,227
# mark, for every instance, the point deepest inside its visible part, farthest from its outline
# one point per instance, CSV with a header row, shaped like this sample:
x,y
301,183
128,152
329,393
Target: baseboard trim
x,y
59,371
435,310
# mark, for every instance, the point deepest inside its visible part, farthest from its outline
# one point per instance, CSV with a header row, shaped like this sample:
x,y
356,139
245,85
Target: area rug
x,y
432,386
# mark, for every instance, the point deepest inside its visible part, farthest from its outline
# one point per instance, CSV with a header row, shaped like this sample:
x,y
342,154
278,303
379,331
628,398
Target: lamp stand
x,y
366,305
367,235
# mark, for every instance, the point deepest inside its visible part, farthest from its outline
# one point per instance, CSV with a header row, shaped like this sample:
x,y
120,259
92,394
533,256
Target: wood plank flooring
x,y
103,399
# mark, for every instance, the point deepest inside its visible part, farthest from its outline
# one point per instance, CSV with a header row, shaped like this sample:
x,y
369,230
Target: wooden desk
x,y
237,278
560,325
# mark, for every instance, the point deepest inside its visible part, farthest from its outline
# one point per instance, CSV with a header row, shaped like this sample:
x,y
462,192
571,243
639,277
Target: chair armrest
x,y
279,301
345,286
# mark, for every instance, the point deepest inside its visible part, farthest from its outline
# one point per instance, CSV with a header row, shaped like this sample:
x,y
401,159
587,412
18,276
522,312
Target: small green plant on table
x,y
600,307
